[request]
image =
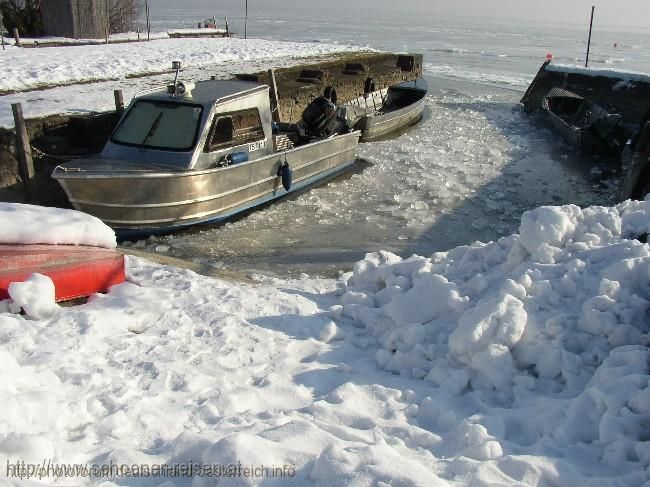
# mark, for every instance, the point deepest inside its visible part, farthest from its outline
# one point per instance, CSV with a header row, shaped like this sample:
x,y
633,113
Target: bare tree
x,y
122,14
23,14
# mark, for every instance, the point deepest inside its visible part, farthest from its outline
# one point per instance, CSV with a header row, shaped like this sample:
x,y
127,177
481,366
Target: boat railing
x,y
150,90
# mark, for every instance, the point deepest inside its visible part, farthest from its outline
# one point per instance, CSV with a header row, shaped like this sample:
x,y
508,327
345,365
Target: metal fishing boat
x,y
381,112
585,125
198,153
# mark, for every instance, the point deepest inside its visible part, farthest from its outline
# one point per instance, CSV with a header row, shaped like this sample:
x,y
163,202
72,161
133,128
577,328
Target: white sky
x,y
619,13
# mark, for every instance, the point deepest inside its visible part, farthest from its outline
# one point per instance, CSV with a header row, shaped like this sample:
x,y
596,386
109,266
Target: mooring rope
x,y
40,153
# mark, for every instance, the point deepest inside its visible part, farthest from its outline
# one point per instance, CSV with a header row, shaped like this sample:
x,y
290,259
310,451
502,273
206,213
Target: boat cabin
x,y
195,126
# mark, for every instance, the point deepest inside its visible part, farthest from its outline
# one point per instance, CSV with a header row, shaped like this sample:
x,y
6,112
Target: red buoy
x,y
76,271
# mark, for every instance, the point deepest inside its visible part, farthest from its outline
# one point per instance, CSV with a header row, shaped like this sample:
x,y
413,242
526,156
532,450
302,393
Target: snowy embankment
x,y
36,68
521,361
201,59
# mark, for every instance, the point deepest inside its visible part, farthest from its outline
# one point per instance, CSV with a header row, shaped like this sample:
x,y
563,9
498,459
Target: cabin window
x,y
160,125
234,128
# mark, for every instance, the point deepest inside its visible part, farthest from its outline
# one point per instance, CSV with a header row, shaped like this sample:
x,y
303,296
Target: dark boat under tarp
x,y
382,112
587,126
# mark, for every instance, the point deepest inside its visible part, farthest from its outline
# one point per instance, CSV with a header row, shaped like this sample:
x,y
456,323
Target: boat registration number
x,y
260,144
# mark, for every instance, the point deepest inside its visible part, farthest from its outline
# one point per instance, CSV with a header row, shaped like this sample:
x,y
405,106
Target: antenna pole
x,y
591,23
146,8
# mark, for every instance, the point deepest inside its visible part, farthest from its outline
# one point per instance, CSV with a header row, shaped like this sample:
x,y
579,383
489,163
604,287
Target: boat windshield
x,y
159,125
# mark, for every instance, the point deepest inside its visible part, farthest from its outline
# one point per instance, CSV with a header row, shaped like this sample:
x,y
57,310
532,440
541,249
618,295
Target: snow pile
x,y
34,68
624,75
35,296
519,362
552,321
30,224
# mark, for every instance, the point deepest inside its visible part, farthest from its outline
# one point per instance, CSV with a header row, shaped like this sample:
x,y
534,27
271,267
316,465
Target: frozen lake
x,y
465,173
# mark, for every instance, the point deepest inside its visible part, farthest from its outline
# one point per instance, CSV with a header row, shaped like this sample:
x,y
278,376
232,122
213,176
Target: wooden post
x,y
17,36
273,93
24,152
227,29
119,100
591,23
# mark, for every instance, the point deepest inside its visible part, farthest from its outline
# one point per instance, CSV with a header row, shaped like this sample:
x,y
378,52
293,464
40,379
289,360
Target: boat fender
x,y
237,157
287,175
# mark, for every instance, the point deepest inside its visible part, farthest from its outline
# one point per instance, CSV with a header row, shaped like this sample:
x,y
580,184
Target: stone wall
x,y
57,136
298,86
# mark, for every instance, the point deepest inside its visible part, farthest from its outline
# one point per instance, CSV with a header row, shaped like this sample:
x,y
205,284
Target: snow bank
x,y
624,75
552,322
31,68
30,224
523,361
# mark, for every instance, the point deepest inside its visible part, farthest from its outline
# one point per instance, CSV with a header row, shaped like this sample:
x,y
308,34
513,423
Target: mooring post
x,y
591,23
119,100
273,92
17,36
24,152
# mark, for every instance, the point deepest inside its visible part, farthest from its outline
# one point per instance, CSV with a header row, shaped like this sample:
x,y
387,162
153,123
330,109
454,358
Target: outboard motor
x,y
320,118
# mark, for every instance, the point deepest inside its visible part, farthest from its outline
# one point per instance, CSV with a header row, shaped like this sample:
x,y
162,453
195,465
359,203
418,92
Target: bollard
x,y
119,100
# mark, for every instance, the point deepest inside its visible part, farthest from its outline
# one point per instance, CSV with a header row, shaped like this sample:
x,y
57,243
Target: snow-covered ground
x,y
110,65
521,361
34,68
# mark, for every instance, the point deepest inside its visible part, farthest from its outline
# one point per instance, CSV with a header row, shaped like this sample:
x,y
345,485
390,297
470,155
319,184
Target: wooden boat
x,y
586,126
198,153
382,112
75,270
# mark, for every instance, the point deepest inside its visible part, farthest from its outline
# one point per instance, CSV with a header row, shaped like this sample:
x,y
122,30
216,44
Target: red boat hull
x,y
76,271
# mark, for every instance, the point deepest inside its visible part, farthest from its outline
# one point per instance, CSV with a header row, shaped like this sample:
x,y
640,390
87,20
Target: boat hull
x,y
146,202
75,270
377,126
586,126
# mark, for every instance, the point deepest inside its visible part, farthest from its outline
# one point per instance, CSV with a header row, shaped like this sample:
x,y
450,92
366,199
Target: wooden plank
x,y
24,152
